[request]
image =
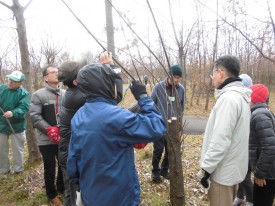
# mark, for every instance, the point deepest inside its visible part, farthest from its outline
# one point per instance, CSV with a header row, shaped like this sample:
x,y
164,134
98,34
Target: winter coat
x,y
225,144
72,101
101,153
44,96
163,98
16,101
262,142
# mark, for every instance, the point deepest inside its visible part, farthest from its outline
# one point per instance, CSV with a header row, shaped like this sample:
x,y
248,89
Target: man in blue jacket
x,y
101,150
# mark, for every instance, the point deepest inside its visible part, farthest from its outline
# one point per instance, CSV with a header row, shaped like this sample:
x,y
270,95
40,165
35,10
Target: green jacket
x,y
16,101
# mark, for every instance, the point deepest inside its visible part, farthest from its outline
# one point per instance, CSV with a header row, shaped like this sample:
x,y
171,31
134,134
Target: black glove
x,y
138,89
204,180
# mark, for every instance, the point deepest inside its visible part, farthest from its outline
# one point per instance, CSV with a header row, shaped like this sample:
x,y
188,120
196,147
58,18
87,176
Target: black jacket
x,y
73,100
262,142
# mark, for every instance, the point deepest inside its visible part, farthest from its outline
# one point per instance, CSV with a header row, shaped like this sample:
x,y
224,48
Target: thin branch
x,y
6,5
27,5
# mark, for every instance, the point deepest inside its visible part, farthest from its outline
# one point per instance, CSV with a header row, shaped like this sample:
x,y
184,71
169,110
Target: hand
x,y
204,178
140,146
8,114
106,58
138,89
53,133
259,182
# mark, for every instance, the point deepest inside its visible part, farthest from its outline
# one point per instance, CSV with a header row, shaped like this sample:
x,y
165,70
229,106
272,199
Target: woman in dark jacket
x,y
262,147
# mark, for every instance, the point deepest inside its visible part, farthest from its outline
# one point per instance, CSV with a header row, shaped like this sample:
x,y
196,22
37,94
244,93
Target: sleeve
x,y
147,126
222,133
36,114
22,107
266,143
183,99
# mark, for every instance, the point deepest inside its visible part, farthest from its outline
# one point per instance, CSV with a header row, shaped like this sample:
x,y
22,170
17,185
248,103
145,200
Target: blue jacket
x,y
101,154
166,102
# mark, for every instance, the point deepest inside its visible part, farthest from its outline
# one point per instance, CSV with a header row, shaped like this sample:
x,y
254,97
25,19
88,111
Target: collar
x,y
53,90
229,80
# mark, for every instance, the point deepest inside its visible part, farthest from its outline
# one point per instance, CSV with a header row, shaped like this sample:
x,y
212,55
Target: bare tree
x,y
18,11
110,27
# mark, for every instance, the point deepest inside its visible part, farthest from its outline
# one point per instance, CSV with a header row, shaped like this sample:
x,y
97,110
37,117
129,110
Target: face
x,y
217,77
176,80
14,85
51,76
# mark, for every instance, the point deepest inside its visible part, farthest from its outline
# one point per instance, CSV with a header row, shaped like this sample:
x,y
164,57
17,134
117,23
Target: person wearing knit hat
x,y
165,99
261,147
224,152
246,79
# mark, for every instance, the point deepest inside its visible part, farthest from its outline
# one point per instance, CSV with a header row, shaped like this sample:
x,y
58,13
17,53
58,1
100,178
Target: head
x,y
15,80
68,71
225,67
247,81
98,80
259,93
177,74
50,73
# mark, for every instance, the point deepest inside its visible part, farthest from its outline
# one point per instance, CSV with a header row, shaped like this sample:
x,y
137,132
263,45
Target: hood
x,y
236,86
97,80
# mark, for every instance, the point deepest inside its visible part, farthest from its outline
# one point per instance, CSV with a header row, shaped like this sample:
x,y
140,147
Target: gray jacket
x,y
44,96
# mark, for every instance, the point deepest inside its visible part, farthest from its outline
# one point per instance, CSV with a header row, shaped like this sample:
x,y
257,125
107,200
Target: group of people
x,y
239,138
87,142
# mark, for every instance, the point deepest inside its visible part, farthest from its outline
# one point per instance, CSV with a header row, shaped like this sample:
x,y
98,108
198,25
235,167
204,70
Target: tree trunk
x,y
18,12
109,27
174,142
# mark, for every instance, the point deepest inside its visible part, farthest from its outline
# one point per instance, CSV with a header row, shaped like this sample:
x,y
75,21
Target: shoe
x,y
156,177
165,174
56,202
238,202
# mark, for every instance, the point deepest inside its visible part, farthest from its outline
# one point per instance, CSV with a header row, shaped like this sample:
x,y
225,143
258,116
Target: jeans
x,y
159,145
49,155
246,187
264,196
17,144
70,190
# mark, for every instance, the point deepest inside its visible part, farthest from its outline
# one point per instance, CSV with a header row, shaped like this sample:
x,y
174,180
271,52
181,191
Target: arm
x,y
22,107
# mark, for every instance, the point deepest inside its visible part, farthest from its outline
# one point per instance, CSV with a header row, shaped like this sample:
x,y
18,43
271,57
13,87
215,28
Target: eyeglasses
x,y
53,72
211,75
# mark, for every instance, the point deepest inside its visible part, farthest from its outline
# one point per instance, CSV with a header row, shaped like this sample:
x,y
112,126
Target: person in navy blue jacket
x,y
101,150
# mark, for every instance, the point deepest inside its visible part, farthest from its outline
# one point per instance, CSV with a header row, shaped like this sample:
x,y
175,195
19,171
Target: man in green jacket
x,y
14,104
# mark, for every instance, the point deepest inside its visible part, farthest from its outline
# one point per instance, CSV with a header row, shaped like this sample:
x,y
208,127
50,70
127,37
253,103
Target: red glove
x,y
140,146
53,133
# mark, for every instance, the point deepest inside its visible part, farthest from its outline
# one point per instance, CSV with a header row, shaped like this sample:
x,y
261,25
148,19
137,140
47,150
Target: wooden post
x,y
174,141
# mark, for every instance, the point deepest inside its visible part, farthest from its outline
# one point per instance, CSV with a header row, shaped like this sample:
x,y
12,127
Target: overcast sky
x,y
51,18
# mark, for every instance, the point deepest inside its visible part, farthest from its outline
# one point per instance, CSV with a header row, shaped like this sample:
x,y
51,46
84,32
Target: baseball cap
x,y
16,76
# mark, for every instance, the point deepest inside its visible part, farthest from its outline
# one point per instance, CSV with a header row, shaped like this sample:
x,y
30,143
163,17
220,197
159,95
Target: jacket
x,y
44,96
72,101
262,142
16,101
166,102
101,153
225,143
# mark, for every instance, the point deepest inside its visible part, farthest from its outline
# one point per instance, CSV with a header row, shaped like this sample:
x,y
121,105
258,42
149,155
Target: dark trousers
x,y
246,187
70,190
159,146
49,155
264,196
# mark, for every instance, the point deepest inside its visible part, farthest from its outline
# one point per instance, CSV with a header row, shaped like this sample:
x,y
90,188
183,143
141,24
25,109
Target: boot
x,y
56,202
156,176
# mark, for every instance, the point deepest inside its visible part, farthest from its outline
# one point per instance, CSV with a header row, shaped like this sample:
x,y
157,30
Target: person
x,y
44,111
262,147
145,79
164,98
101,150
245,190
224,154
72,101
14,104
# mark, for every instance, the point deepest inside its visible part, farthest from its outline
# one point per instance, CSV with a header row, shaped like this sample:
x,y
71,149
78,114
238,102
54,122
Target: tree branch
x,y
27,5
6,5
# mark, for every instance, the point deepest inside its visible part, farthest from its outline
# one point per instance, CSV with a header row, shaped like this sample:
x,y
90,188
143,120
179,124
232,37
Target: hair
x,y
45,69
230,63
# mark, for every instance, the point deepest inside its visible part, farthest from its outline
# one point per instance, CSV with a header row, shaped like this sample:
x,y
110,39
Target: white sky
x,y
51,18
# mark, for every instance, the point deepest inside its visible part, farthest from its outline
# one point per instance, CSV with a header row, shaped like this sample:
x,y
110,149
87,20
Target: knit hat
x,y
177,70
247,81
67,71
16,76
259,93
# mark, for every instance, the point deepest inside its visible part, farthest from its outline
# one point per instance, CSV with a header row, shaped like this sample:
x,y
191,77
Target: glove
x,y
140,146
204,178
138,89
53,133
